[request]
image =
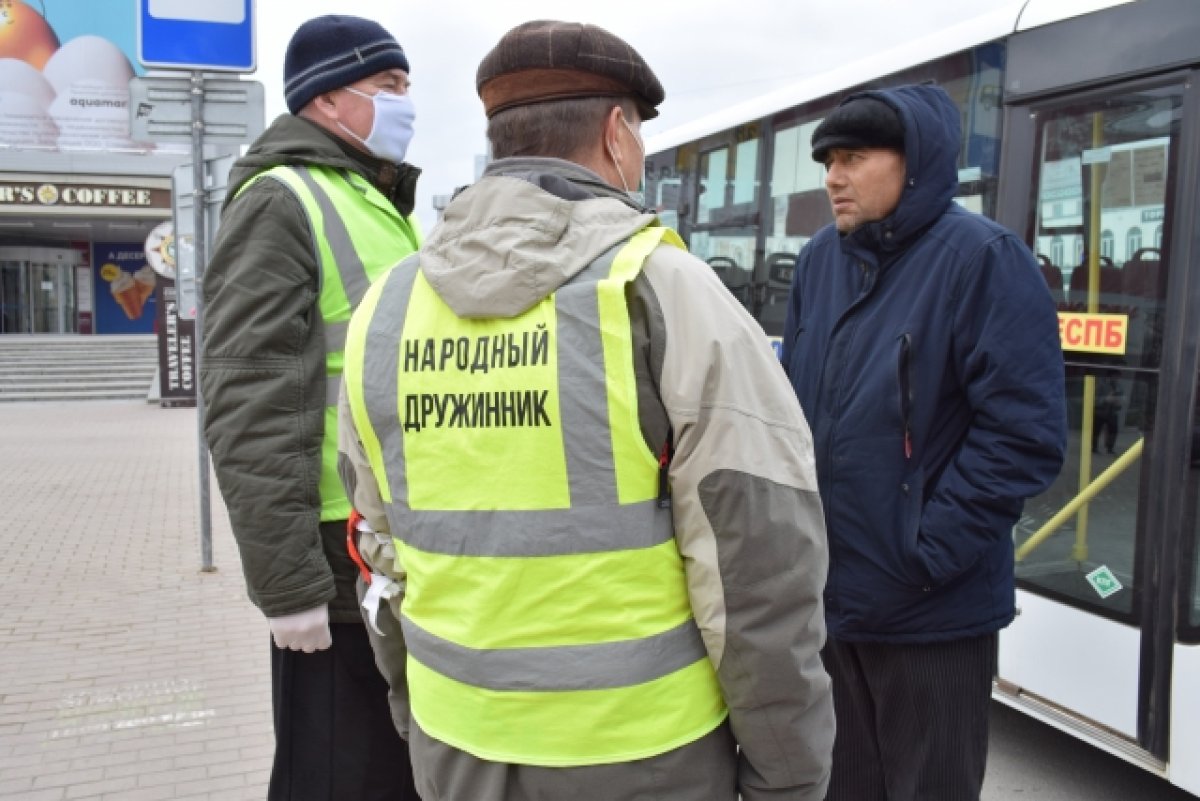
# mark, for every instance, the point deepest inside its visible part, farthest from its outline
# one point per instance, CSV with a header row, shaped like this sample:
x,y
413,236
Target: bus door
x,y
1099,574
722,228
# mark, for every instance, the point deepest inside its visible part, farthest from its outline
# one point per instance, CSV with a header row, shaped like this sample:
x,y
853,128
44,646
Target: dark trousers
x,y
334,738
912,720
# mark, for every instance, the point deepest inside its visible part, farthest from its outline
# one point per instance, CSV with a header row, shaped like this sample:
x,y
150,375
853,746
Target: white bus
x,y
1081,132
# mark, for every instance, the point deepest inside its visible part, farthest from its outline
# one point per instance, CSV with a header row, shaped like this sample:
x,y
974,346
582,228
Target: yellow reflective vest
x,y
358,237
546,612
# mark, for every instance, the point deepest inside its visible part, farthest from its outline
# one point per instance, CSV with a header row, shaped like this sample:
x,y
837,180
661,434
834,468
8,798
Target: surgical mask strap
x,y
638,196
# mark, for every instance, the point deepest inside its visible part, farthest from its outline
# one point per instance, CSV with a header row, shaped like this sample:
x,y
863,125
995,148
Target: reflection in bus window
x,y
745,183
1133,240
1103,175
799,206
1101,533
728,186
713,168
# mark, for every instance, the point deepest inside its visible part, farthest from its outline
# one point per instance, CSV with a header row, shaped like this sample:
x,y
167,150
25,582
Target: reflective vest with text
x,y
358,236
546,612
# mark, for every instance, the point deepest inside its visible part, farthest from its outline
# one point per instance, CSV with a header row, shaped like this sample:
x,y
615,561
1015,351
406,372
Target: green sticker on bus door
x,y
1104,582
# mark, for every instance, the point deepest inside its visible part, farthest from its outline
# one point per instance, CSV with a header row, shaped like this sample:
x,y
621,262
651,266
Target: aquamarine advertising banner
x,y
65,67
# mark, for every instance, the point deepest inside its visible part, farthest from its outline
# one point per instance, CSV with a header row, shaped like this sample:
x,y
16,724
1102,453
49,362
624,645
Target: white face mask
x,y
392,129
639,196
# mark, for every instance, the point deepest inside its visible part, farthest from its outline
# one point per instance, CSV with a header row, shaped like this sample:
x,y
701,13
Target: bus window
x,y
798,209
1104,168
724,233
799,206
729,179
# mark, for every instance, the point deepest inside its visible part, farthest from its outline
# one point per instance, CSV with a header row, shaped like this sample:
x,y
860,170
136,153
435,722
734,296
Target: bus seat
x,y
780,267
1110,279
735,279
779,270
1142,274
1053,276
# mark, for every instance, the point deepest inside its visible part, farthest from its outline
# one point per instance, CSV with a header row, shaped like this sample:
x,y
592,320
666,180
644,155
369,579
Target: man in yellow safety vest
x,y
319,207
590,506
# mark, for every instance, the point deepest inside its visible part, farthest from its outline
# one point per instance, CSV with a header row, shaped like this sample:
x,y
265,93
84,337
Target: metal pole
x,y
1087,431
199,215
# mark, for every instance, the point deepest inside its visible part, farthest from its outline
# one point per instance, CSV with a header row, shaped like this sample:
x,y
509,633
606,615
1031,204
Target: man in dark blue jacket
x,y
923,345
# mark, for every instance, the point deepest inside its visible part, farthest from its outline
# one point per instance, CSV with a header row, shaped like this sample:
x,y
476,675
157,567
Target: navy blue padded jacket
x,y
924,349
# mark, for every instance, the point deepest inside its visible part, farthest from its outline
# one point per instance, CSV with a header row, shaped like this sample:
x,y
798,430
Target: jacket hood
x,y
932,139
528,226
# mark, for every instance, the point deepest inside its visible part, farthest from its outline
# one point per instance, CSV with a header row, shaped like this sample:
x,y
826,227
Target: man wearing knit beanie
x,y
923,345
599,484
319,207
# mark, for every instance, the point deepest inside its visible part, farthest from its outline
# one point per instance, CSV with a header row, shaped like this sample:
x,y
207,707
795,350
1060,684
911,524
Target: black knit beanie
x,y
859,121
333,51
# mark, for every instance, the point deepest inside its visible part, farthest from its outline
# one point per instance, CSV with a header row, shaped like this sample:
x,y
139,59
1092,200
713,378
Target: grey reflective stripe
x,y
335,342
559,668
333,388
548,532
588,447
349,266
381,379
335,336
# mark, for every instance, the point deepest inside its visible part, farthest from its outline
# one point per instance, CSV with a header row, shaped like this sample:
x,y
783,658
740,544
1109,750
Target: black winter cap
x,y
333,51
859,121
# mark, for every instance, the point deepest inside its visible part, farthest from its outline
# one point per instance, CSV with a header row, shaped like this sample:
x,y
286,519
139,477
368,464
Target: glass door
x,y
37,290
1101,202
52,297
14,312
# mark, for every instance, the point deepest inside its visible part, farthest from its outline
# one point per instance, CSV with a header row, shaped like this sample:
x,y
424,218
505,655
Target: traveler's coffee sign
x,y
176,350
44,195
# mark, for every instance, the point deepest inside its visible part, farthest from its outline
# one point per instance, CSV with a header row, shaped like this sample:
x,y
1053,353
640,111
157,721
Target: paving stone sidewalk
x,y
125,672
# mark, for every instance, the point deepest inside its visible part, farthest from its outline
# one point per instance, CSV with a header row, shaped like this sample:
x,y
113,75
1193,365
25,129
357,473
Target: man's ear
x,y
325,105
612,131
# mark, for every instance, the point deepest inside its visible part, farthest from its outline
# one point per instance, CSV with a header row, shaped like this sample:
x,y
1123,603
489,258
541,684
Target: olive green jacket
x,y
263,374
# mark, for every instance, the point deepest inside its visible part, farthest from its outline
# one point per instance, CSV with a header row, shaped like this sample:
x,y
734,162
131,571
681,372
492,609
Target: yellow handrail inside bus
x,y
1087,436
1087,428
1093,489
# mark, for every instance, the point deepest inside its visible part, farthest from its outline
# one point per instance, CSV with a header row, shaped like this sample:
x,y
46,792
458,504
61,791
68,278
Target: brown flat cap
x,y
551,60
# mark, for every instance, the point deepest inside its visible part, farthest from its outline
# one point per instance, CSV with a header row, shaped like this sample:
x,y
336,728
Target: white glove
x,y
306,631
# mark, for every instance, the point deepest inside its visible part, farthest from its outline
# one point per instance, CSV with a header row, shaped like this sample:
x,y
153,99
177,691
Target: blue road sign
x,y
215,35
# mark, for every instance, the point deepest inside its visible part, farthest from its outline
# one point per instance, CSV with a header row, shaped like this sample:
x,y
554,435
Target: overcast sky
x,y
708,55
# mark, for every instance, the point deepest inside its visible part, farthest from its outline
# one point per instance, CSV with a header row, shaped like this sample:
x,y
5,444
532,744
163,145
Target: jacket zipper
x,y
904,375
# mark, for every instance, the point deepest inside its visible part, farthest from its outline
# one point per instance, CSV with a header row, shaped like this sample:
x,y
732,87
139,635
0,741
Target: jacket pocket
x,y
912,490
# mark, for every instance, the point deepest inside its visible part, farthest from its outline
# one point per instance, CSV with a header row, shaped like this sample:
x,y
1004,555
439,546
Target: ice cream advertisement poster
x,y
65,67
124,289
